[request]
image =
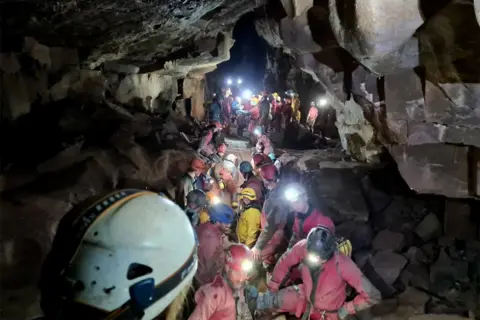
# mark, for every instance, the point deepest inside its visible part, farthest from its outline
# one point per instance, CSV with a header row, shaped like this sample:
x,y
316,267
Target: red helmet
x,y
222,148
239,257
269,172
217,124
260,159
198,165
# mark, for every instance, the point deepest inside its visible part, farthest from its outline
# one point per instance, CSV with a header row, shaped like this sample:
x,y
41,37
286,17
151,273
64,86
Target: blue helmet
x,y
272,156
246,166
221,213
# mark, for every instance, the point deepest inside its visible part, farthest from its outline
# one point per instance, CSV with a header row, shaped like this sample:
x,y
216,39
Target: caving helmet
x,y
222,148
321,244
295,192
259,159
218,125
198,165
269,172
198,198
239,257
221,213
247,193
112,258
232,158
245,167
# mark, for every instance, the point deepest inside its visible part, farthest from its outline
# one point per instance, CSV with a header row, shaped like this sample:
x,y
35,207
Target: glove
x,y
221,184
342,313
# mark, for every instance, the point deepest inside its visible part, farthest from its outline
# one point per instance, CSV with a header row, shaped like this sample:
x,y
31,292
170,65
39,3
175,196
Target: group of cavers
x,y
270,224
270,111
136,254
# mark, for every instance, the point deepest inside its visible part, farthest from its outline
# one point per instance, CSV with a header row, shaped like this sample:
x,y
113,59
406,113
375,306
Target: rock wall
x,y
417,250
38,74
55,158
402,76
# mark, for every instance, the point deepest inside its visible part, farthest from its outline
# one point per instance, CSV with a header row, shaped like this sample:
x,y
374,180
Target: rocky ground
x,y
421,252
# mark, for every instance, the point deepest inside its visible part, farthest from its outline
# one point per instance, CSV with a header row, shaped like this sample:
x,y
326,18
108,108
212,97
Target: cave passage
x,y
120,111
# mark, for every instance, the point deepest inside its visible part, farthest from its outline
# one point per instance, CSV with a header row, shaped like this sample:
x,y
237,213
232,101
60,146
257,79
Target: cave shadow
x,y
449,51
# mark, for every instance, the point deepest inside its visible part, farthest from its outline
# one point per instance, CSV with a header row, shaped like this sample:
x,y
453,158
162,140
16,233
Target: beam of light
x,y
247,265
247,94
322,102
313,258
292,194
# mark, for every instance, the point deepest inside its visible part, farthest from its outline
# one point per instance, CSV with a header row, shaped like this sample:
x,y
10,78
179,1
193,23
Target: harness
x,y
310,302
239,315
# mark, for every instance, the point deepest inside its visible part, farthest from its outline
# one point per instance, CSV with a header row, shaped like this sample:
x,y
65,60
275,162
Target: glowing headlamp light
x,y
216,200
313,258
247,94
322,102
246,265
292,195
257,132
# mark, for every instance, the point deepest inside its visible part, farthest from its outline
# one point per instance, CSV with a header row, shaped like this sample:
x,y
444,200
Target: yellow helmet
x,y
254,101
275,95
248,193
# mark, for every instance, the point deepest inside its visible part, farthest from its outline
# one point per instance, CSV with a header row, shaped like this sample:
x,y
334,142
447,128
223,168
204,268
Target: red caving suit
x,y
266,143
273,221
254,119
305,222
206,144
214,301
302,225
211,254
330,291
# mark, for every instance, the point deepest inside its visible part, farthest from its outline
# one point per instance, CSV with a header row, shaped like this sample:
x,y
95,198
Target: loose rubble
x,y
398,239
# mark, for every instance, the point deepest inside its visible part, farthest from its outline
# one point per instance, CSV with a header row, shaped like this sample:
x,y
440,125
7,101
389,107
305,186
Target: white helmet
x,y
131,252
232,158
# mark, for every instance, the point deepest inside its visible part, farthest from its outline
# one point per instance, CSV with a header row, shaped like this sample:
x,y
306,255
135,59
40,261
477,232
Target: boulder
x,y
415,255
416,274
434,168
458,223
388,240
385,306
337,190
388,265
362,257
442,272
359,233
430,228
63,159
413,297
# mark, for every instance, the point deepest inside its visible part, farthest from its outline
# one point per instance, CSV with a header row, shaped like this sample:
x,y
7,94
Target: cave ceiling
x,y
138,31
